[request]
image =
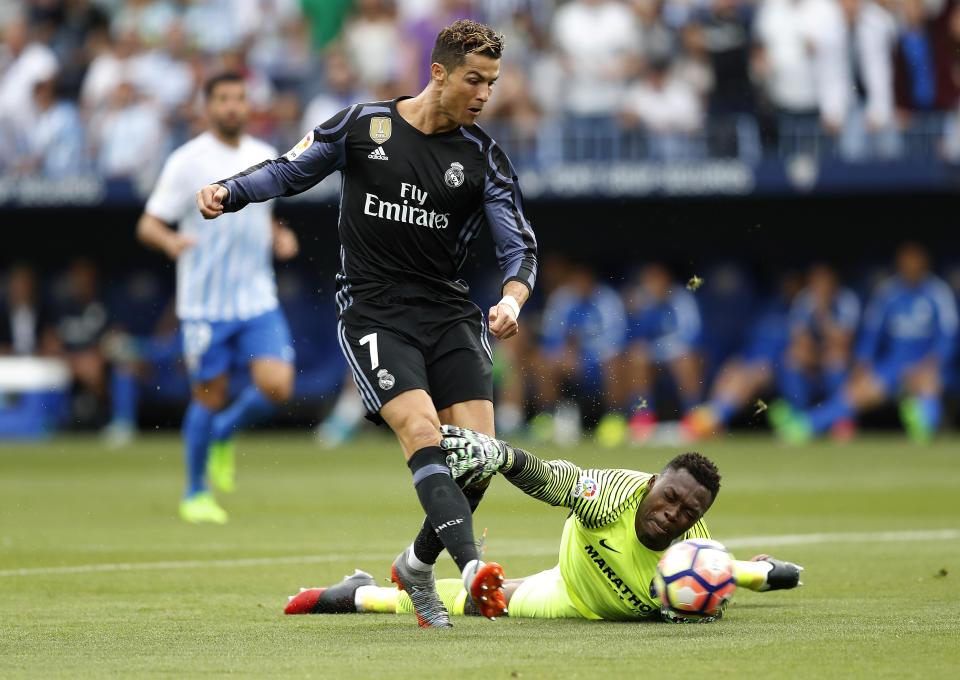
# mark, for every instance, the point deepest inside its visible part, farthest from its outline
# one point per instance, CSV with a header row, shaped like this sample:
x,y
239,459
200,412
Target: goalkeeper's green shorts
x,y
543,596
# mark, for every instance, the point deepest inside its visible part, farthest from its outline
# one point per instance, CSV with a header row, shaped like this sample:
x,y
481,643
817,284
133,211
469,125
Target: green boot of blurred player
x,y
221,465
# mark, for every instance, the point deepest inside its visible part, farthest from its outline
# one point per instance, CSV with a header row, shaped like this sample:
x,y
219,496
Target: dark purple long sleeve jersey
x,y
410,203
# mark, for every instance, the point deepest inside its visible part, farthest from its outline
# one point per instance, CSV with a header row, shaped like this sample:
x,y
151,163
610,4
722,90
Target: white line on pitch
x,y
736,542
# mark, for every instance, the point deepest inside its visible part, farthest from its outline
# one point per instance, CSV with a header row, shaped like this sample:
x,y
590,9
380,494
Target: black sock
x,y
448,510
427,546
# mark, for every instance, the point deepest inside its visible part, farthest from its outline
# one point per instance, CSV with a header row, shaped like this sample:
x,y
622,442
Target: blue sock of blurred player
x,y
795,387
123,397
723,410
836,408
248,408
833,378
197,429
931,409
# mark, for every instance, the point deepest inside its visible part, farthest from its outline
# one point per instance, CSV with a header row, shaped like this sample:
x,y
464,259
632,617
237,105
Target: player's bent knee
x,y
274,380
417,431
213,399
277,390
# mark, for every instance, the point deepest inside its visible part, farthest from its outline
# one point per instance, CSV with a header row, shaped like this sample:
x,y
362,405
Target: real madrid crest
x,y
454,175
385,379
381,128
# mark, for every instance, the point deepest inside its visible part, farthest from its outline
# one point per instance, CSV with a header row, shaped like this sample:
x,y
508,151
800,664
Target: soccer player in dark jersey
x,y
420,179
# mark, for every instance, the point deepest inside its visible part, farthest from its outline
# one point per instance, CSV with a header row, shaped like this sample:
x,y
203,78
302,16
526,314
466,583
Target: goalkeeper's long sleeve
x,y
597,497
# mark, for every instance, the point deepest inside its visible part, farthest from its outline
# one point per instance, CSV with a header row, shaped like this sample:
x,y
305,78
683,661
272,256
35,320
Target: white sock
x,y
358,597
414,562
469,571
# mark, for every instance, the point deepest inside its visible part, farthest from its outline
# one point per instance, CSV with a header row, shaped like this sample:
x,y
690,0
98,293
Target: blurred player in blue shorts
x,y
908,338
226,293
581,338
663,330
823,325
753,371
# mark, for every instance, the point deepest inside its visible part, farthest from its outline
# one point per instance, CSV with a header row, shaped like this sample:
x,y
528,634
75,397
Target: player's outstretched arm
x,y
321,152
595,496
763,573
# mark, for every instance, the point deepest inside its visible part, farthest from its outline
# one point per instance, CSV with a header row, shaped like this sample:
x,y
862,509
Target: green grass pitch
x,y
150,595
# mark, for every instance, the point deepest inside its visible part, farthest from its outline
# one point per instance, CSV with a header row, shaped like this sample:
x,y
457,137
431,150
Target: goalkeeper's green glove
x,y
471,456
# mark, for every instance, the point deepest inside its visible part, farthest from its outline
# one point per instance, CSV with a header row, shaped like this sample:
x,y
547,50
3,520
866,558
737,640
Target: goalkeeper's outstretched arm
x,y
597,497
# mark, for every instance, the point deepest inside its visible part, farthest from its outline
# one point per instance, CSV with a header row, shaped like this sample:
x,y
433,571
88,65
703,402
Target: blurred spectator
x,y
723,31
82,26
52,144
582,333
129,137
326,18
217,26
663,324
151,20
340,91
23,63
164,74
24,329
823,322
371,42
907,342
111,66
668,110
597,41
853,43
656,42
927,66
281,46
783,62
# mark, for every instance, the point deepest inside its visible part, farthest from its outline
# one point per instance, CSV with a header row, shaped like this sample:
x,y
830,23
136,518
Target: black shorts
x,y
398,343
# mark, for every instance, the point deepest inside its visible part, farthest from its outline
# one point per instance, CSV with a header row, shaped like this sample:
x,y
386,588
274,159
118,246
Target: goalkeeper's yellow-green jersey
x,y
607,571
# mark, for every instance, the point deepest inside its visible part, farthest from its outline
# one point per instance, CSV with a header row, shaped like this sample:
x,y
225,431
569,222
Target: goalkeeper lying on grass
x,y
621,523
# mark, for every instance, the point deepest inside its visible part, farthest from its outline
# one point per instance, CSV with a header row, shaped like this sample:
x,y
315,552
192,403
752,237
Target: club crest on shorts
x,y
454,175
385,379
381,128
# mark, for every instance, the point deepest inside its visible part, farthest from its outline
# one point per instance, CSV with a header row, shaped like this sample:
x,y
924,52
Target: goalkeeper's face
x,y
227,108
675,501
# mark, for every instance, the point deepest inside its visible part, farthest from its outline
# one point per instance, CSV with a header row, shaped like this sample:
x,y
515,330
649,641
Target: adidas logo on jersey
x,y
378,154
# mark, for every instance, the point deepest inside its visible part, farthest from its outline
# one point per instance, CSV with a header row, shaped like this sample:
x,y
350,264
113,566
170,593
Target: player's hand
x,y
503,323
210,200
471,456
177,243
782,575
285,243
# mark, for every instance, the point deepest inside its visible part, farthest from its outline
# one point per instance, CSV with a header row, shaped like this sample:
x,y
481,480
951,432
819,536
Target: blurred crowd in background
x,y
640,355
111,86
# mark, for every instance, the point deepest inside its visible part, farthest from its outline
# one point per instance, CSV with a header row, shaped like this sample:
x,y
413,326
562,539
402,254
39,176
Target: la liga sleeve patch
x,y
301,146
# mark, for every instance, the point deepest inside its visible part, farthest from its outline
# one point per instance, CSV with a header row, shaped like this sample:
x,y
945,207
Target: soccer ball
x,y
694,580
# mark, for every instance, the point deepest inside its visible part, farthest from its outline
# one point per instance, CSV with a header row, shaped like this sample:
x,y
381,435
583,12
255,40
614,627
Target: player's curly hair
x,y
464,37
700,468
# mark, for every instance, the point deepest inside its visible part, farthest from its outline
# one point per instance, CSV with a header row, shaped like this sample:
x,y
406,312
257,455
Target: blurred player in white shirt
x,y
226,293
